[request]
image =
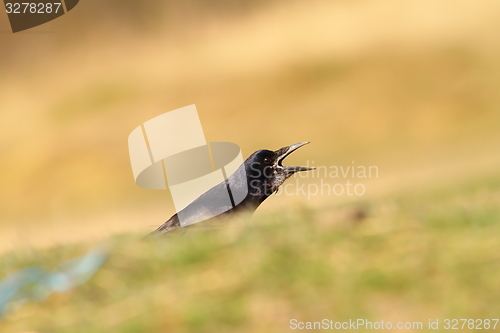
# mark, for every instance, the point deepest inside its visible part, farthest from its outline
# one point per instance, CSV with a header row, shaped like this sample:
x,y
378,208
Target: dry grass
x,y
408,86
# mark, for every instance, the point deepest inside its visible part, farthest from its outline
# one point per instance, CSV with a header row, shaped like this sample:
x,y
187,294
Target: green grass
x,y
412,258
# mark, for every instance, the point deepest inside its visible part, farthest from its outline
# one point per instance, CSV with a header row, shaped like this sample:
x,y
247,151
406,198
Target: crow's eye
x,y
267,160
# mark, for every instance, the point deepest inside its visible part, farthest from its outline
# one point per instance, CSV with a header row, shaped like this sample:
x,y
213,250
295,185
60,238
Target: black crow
x,y
254,181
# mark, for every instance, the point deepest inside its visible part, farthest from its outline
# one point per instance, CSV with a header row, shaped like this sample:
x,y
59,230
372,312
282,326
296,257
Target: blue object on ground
x,y
36,283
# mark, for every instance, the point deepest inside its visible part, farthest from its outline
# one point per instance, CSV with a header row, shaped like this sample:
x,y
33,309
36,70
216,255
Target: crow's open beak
x,y
282,153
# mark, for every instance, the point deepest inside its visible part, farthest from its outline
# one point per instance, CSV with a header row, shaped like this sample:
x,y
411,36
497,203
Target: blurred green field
x,y
405,258
409,86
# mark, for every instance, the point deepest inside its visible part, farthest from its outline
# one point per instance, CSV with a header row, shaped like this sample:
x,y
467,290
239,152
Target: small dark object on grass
x,y
262,174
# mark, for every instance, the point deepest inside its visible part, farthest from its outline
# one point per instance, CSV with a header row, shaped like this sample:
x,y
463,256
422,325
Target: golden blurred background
x,y
409,86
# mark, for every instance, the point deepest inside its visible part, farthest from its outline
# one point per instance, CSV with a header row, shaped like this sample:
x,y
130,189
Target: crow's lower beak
x,y
282,153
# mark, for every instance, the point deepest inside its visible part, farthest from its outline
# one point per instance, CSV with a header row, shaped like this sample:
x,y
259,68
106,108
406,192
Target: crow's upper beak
x,y
282,153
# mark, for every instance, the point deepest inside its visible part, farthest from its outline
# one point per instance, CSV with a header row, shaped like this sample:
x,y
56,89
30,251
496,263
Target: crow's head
x,y
265,171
